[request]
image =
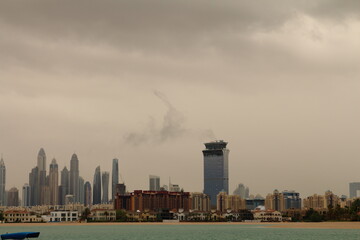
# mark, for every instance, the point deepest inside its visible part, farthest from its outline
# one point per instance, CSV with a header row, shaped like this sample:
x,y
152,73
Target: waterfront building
x,y
88,194
2,181
103,215
26,195
97,186
41,185
54,183
199,202
13,197
154,183
81,192
114,176
292,200
62,216
283,201
354,189
20,216
105,187
216,170
267,215
274,201
153,201
316,202
229,202
74,177
331,199
254,202
64,188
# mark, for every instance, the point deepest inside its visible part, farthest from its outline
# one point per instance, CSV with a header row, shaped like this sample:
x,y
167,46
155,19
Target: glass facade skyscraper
x,y
154,183
216,170
2,182
115,177
97,186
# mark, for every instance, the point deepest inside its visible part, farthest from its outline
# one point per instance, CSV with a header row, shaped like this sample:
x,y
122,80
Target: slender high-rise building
x,y
26,195
114,177
97,186
54,182
216,169
105,187
65,185
34,186
88,195
2,182
74,177
81,190
41,165
154,183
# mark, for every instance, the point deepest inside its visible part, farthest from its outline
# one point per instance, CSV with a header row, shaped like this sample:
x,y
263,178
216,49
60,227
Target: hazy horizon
x,y
148,82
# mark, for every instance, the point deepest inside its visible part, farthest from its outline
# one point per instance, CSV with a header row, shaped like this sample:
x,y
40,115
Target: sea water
x,y
181,232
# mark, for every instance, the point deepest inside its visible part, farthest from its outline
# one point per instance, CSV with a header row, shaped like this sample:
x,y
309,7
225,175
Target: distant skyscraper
x,y
354,189
26,195
34,186
2,182
54,182
114,177
105,187
41,165
74,177
41,160
216,170
154,183
65,185
242,191
13,197
97,186
247,192
81,190
88,194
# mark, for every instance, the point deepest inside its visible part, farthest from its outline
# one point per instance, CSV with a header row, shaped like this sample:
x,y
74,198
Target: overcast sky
x,y
149,82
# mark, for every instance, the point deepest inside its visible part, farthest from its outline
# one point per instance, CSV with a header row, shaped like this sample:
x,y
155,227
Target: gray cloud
x,y
277,79
172,127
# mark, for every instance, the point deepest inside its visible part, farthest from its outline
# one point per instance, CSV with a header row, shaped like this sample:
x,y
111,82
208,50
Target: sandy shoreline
x,y
321,225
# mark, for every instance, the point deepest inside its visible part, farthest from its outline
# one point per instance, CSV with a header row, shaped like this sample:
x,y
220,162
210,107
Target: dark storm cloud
x,y
156,25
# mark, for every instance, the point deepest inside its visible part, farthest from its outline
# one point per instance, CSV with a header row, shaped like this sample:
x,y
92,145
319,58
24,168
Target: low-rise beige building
x,y
14,216
267,216
103,215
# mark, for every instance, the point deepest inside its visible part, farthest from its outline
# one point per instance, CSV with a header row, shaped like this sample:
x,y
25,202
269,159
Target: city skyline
x,y
149,83
102,180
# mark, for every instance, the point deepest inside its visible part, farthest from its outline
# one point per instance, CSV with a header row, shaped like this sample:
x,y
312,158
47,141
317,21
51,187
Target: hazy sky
x,y
149,82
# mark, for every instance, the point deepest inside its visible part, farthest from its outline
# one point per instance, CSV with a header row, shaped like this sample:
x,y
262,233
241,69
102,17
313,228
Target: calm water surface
x,y
182,232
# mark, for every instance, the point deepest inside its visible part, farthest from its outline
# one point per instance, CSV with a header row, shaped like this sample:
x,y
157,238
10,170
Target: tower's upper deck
x,y
216,145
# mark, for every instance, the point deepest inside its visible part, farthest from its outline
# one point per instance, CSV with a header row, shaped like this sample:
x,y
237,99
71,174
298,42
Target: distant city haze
x,y
149,82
